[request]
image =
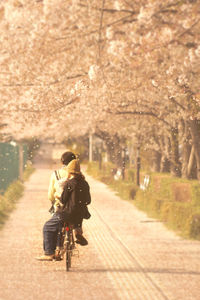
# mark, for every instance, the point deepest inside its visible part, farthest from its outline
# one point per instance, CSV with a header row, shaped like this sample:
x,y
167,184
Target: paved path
x,y
129,256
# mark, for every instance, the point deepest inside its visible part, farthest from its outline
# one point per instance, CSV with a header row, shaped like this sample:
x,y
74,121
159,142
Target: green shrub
x,y
125,189
9,199
195,226
28,171
131,175
174,201
195,193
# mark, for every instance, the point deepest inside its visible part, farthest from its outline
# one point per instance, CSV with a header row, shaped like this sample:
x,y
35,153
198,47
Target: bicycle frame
x,y
66,244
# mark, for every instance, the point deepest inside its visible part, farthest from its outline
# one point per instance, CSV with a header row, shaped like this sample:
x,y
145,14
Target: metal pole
x,y
123,164
138,166
90,148
21,161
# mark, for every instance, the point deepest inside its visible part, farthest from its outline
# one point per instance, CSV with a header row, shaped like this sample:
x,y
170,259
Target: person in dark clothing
x,y
71,172
75,198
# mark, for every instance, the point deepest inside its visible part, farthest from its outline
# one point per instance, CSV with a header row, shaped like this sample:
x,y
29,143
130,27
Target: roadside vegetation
x,y
174,201
12,194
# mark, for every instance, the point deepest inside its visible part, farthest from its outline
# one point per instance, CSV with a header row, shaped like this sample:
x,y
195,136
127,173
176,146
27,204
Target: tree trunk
x,y
114,150
195,133
156,161
186,150
165,164
165,152
110,144
90,147
175,162
191,168
113,147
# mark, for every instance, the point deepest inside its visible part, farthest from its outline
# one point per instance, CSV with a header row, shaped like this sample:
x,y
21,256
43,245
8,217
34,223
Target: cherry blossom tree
x,y
125,70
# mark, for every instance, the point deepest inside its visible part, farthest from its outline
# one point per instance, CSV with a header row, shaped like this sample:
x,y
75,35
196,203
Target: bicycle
x,y
66,245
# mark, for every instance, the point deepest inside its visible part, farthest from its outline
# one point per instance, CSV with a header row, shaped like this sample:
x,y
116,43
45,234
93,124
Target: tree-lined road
x,y
129,256
124,70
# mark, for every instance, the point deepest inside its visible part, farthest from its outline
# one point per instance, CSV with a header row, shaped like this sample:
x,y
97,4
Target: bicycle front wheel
x,y
68,257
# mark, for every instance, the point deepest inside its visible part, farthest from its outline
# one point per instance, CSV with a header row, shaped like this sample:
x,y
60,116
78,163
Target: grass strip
x,y
12,194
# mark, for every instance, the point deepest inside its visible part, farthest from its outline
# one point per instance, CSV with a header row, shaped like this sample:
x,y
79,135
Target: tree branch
x,y
46,84
176,103
118,21
36,111
28,84
109,10
141,113
66,104
188,30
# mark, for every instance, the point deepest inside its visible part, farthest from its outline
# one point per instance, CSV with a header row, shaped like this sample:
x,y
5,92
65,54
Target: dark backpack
x,y
75,198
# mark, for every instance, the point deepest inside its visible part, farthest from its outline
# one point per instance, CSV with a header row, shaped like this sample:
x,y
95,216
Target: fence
x,y
10,163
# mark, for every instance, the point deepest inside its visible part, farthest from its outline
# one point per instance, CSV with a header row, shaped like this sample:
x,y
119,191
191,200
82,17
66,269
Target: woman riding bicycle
x,y
52,226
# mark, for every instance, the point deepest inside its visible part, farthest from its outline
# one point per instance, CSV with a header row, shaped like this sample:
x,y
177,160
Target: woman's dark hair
x,y
67,157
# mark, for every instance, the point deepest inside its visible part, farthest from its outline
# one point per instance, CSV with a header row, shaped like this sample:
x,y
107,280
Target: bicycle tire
x,y
68,258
